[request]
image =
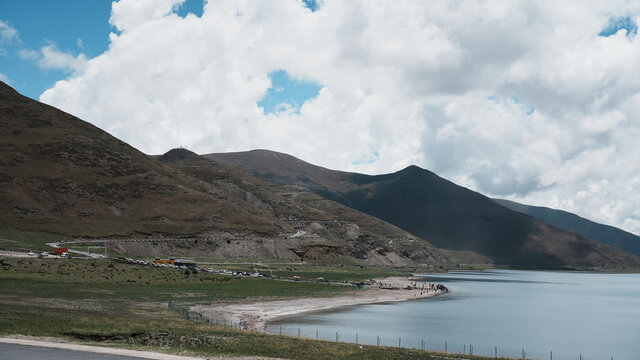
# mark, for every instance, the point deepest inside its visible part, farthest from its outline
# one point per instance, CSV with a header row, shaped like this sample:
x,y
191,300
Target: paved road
x,y
21,348
15,352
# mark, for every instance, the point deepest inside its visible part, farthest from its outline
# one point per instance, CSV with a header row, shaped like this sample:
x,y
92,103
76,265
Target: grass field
x,y
25,240
113,303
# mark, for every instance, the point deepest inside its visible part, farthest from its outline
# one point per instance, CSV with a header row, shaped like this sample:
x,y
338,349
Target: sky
x,y
532,101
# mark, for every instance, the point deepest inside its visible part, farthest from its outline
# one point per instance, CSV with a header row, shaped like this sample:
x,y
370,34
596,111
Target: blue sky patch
x,y
45,23
620,23
195,7
368,159
287,92
529,109
311,4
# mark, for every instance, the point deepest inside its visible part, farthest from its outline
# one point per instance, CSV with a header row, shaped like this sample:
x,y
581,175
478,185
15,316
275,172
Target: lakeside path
x,y
257,313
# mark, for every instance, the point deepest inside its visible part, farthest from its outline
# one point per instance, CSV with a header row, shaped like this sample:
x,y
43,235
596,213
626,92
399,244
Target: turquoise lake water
x,y
570,314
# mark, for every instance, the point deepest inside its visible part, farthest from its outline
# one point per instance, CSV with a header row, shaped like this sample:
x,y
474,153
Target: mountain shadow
x,y
605,234
441,212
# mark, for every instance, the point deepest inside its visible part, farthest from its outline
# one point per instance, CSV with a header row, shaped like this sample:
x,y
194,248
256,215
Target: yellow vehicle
x,y
164,261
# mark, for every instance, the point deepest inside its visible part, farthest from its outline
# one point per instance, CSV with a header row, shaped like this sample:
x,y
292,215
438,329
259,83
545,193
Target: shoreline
x,y
256,314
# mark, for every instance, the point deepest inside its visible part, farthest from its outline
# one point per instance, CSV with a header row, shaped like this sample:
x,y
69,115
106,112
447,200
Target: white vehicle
x,y
31,253
64,255
44,254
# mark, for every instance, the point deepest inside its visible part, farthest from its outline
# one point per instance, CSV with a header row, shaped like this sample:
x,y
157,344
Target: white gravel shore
x,y
257,313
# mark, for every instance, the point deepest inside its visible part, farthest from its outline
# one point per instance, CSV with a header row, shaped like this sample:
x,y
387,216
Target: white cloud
x,y
4,78
8,34
28,54
52,58
516,99
125,15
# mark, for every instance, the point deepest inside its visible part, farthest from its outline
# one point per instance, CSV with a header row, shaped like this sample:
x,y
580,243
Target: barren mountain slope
x,y
605,234
61,174
447,215
325,228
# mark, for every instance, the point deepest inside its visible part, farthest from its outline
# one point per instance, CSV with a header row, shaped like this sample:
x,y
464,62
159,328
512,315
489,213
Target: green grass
x,y
26,240
110,303
165,331
107,279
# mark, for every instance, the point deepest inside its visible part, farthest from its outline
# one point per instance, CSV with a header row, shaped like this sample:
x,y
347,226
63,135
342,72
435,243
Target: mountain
x,y
447,215
324,228
605,234
62,175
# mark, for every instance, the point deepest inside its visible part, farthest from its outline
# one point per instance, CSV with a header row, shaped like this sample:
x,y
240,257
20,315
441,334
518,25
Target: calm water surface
x,y
596,315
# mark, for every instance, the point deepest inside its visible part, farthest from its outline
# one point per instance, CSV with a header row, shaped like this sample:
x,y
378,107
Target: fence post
x,y
422,346
356,338
399,341
316,334
336,336
298,332
496,351
551,356
378,340
445,347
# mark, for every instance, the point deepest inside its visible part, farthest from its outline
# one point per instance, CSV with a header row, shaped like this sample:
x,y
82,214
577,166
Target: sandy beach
x,y
257,313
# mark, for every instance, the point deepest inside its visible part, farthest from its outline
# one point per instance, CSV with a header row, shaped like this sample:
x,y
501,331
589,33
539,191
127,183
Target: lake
x,y
538,312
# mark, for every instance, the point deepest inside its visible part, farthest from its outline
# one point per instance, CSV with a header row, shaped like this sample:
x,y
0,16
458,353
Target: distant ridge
x,y
605,234
447,215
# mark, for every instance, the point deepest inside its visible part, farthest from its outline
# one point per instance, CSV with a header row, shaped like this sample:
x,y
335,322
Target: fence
x,y
197,317
494,352
182,304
